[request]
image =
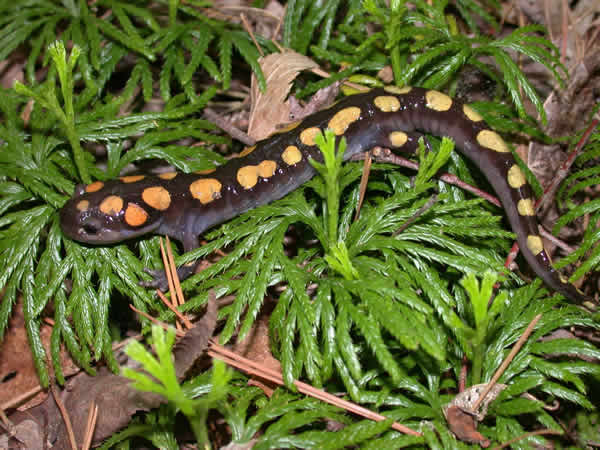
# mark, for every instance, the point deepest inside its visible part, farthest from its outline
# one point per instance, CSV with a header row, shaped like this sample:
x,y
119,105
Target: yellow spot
x,y
132,178
206,190
492,140
472,114
398,138
168,175
157,197
94,187
397,90
307,137
563,279
266,169
387,103
525,207
437,101
135,215
341,120
288,127
516,178
83,205
246,151
247,176
291,155
111,205
205,172
534,243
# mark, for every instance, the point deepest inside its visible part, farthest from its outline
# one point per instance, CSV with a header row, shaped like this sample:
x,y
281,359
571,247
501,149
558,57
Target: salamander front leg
x,y
159,276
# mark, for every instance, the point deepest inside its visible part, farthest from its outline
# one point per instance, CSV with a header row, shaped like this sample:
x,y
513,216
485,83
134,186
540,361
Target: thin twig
x,y
22,398
386,156
228,127
155,321
65,416
250,31
561,174
563,169
259,370
416,215
507,360
90,426
174,310
546,431
165,261
556,241
363,183
179,298
6,423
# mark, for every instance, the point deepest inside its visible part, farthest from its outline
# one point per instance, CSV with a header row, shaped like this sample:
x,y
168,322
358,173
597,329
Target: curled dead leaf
x,y
271,107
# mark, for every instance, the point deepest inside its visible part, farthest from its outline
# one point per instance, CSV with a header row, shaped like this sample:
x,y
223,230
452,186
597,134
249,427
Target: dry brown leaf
x,y
468,398
195,341
114,395
17,371
270,108
464,427
256,347
461,418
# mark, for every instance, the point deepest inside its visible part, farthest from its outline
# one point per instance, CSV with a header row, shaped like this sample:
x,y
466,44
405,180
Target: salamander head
x,y
105,213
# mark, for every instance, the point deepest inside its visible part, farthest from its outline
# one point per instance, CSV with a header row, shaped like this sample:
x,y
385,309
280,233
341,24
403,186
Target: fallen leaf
x,y
114,395
256,346
195,341
464,427
270,108
461,418
17,371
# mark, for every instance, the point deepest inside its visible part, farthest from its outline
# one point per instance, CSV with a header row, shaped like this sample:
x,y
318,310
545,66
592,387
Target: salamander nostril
x,y
90,229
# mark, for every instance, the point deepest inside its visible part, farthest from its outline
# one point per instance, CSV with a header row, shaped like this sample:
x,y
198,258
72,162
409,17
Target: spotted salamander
x,y
183,205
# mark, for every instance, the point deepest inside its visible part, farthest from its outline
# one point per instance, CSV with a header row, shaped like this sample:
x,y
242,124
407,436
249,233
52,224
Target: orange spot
x,y
340,122
437,101
247,176
387,103
111,205
493,141
83,205
206,190
398,138
535,244
307,137
472,114
525,206
291,155
157,197
516,177
168,175
132,178
94,187
266,169
135,215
